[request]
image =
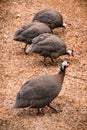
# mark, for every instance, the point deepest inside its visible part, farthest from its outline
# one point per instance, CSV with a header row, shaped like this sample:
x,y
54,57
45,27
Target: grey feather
x,y
41,90
28,32
50,17
47,45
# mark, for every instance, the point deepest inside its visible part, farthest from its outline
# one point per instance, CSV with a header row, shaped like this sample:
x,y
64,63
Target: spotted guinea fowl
x,y
28,32
50,17
39,91
48,45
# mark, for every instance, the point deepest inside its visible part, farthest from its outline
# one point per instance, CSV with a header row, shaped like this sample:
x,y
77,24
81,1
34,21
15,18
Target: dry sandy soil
x,y
16,67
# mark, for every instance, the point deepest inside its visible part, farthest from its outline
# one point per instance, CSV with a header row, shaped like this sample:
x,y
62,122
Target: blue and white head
x,y
64,65
70,52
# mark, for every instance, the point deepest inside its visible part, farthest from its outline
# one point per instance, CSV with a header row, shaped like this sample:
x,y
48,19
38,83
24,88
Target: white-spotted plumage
x,y
39,91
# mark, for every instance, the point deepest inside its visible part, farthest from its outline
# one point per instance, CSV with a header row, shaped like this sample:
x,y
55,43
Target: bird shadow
x,y
48,63
30,112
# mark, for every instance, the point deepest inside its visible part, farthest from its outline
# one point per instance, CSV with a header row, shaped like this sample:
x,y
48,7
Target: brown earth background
x,y
16,67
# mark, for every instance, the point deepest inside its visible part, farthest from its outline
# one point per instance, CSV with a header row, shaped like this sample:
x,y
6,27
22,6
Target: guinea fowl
x,y
48,45
50,17
28,32
39,92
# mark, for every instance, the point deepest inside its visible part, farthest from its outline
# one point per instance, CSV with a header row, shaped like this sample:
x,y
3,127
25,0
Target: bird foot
x,y
56,111
50,63
45,63
23,49
53,63
39,113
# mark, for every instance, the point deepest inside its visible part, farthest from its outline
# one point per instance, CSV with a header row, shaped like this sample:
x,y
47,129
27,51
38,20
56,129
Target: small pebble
x,y
15,3
18,15
5,36
76,35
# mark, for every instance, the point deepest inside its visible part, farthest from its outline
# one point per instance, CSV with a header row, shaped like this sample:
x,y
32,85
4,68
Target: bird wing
x,y
39,88
20,30
47,16
47,45
40,38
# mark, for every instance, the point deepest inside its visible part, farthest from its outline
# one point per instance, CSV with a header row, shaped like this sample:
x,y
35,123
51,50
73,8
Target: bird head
x,y
70,52
64,65
64,25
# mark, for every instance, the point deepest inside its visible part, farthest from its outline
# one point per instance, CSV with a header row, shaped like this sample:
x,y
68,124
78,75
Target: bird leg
x,y
52,61
25,48
52,31
45,61
54,109
39,112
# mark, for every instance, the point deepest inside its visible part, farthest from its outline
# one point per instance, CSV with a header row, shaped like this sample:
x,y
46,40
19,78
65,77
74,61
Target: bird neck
x,y
66,53
62,70
61,75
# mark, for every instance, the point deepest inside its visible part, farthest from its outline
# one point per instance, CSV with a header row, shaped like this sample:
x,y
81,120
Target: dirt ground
x,y
16,67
